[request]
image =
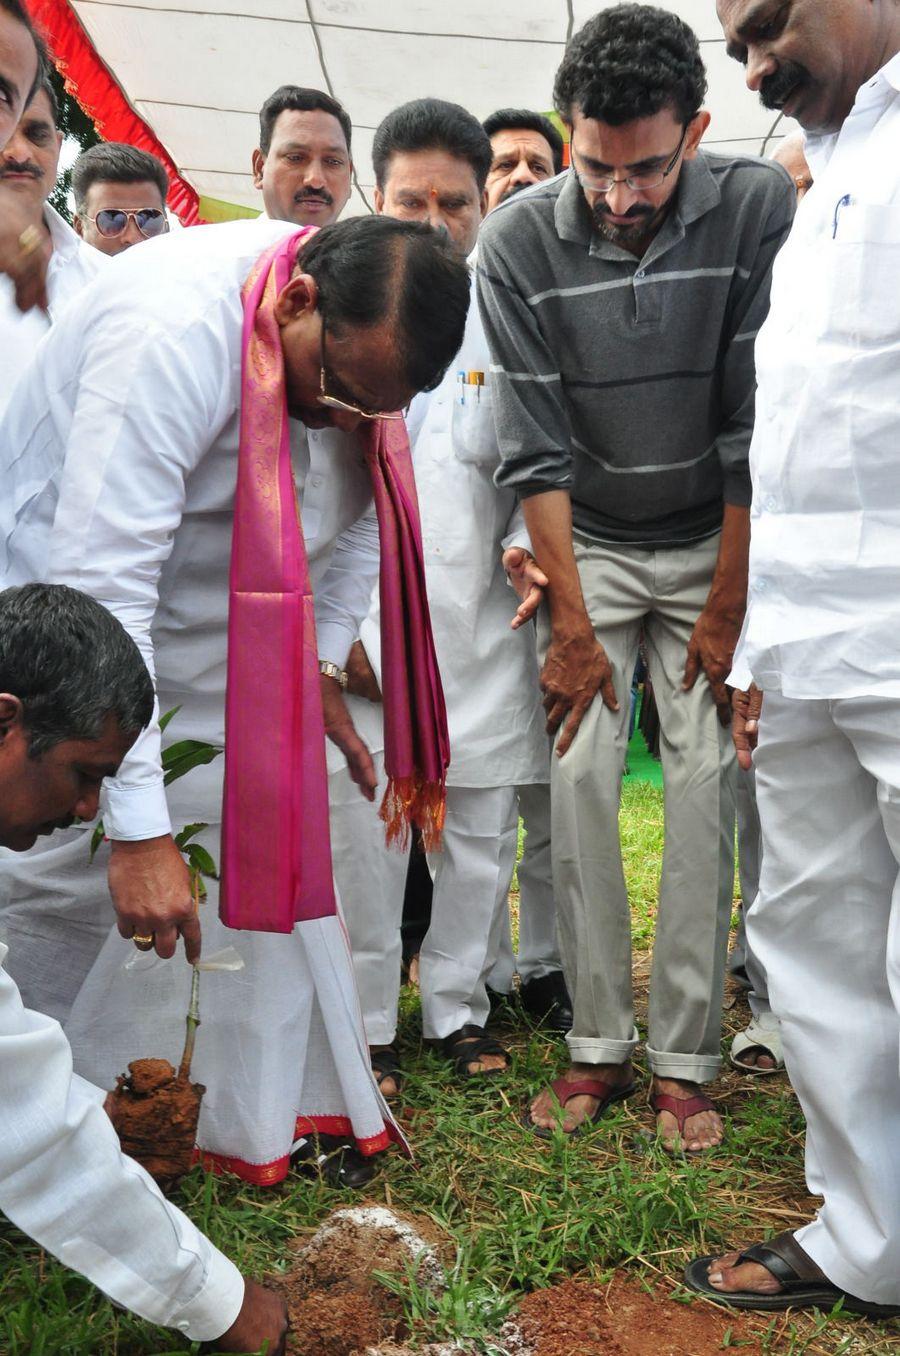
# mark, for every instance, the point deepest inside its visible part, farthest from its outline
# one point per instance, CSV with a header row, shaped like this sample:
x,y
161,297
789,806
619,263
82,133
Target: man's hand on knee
x,y
710,651
575,670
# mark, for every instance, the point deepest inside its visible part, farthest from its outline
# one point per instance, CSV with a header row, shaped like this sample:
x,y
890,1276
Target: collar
x,y
819,146
65,240
698,193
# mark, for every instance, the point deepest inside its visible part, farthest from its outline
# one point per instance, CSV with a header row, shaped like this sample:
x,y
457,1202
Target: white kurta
x,y
72,265
121,456
65,1182
823,611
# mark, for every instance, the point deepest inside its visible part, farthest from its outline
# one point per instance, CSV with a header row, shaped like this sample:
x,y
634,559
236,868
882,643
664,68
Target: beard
x,y
644,222
775,90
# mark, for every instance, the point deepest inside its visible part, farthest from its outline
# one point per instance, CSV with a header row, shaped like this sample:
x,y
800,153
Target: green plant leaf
x,y
164,720
201,860
205,753
96,838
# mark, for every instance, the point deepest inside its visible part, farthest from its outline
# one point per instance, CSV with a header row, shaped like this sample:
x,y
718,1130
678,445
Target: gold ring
x,y
143,943
30,240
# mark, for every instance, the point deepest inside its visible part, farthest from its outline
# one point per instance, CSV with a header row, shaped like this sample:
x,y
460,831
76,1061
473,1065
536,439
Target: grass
x,y
521,1213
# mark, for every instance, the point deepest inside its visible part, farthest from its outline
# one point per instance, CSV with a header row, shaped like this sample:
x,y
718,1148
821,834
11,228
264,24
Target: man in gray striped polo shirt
x,y
621,301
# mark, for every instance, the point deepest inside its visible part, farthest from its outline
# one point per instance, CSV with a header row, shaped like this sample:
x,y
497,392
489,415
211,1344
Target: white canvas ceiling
x,y
198,71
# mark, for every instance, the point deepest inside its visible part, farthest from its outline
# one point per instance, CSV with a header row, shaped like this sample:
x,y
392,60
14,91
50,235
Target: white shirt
x,y
65,1182
73,263
489,672
823,616
119,459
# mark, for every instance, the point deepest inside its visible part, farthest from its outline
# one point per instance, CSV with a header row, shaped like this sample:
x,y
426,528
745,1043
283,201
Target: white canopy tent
x,y
197,72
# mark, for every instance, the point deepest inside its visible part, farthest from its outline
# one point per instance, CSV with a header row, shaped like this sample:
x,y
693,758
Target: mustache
x,y
637,211
21,167
775,90
312,196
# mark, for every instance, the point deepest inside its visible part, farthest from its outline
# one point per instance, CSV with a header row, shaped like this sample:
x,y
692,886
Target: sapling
x,y
155,1108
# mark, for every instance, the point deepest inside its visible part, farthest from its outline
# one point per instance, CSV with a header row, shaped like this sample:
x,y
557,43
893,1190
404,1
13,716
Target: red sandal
x,y
564,1091
682,1108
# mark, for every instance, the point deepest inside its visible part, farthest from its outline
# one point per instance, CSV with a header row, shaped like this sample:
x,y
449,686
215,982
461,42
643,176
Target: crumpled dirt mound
x,y
621,1319
336,1306
353,1243
155,1113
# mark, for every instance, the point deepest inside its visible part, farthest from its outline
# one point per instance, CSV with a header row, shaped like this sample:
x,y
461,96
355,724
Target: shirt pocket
x,y
474,435
862,283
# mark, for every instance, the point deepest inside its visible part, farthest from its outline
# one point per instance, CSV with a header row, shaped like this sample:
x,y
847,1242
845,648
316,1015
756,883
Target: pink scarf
x,y
276,851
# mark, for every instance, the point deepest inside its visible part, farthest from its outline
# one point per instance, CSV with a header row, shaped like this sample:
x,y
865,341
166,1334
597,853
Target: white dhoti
x,y
826,927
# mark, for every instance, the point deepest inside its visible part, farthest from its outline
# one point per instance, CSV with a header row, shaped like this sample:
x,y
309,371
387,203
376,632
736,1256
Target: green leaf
x,y
164,720
201,860
187,833
96,838
204,754
173,752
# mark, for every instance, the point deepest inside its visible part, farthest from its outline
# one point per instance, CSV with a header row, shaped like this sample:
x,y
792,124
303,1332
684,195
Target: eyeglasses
x,y
335,403
112,221
649,179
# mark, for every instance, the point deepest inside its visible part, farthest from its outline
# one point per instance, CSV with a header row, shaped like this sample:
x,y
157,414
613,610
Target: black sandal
x,y
385,1064
803,1284
467,1045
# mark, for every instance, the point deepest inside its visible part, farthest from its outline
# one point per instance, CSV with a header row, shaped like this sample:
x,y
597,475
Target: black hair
x,y
526,120
71,663
376,268
115,162
432,125
630,62
301,100
16,10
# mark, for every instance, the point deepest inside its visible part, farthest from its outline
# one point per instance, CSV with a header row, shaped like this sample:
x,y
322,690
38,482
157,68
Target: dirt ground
x,y
338,1308
621,1319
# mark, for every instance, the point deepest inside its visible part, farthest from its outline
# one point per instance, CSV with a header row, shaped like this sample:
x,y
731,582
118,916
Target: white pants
x,y
468,913
826,928
749,860
538,952
370,879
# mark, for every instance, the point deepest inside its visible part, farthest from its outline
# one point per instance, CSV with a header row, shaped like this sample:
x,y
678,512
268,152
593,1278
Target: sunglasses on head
x,y
111,221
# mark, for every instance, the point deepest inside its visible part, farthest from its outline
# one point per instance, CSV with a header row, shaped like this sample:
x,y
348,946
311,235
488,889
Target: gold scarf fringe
x,y
411,803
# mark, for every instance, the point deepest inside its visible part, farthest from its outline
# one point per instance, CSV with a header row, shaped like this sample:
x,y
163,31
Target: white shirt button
x,y
771,504
641,273
316,481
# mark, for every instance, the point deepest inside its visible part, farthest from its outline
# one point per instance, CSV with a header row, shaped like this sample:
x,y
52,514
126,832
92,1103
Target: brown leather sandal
x,y
803,1284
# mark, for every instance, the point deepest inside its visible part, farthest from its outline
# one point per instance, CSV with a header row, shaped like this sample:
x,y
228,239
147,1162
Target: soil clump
x,y
155,1112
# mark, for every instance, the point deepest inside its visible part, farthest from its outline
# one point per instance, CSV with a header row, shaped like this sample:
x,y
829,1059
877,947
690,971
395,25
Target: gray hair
x,y
72,664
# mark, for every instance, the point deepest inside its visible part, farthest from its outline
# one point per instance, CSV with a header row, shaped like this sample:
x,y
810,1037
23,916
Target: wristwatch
x,y
332,671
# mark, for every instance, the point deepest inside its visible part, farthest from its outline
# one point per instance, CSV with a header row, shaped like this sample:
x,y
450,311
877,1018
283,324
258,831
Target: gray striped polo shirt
x,y
630,383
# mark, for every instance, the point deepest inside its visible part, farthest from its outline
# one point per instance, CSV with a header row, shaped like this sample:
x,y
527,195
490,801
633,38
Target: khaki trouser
x,y
662,592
